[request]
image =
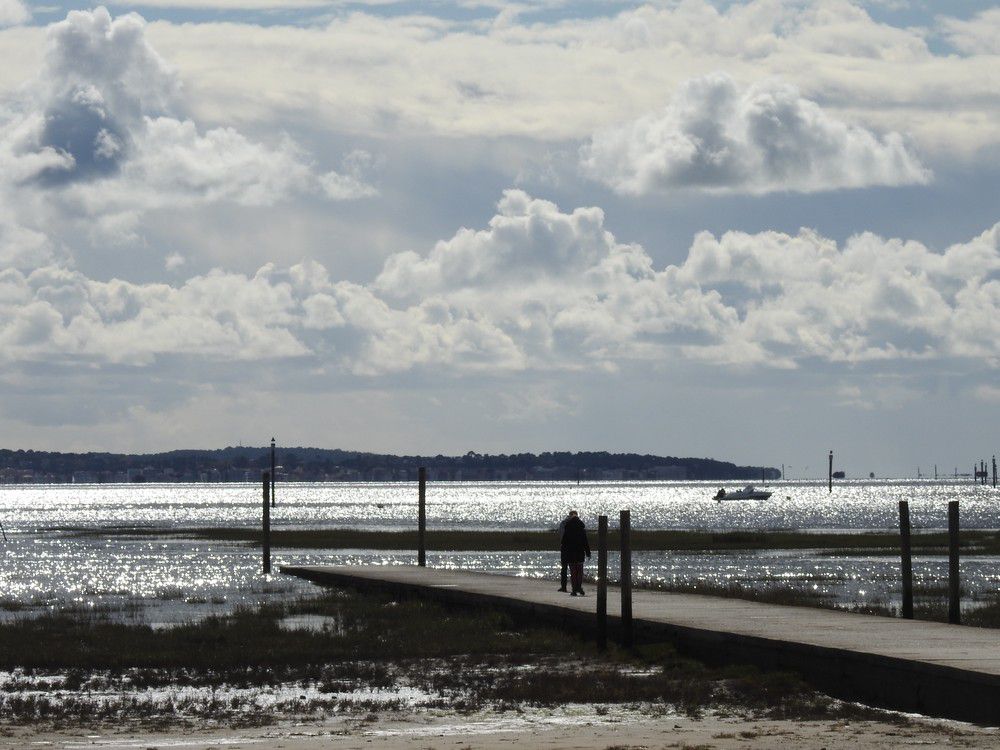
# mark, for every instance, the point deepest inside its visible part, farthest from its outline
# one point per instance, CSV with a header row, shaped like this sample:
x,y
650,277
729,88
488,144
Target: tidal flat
x,y
347,653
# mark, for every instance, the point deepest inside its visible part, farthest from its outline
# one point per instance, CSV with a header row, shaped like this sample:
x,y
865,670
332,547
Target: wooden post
x,y
422,517
266,523
954,600
625,529
602,582
994,472
906,558
830,474
274,475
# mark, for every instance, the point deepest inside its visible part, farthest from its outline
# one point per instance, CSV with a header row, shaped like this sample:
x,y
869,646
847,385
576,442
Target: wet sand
x,y
503,731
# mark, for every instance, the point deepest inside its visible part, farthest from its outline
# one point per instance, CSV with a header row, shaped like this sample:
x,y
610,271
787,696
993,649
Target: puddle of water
x,y
312,623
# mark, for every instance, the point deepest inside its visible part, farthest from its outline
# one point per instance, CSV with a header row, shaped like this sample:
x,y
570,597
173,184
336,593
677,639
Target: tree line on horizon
x,y
240,463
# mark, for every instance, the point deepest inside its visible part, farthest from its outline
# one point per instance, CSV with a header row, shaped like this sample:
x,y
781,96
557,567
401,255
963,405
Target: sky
x,y
755,231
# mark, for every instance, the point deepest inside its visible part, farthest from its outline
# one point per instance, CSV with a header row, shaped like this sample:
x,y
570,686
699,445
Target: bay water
x,y
68,546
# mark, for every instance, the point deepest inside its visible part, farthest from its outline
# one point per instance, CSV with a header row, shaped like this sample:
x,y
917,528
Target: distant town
x,y
245,464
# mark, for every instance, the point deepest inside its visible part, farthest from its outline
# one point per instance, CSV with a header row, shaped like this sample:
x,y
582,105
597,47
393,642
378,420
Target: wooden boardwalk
x,y
924,667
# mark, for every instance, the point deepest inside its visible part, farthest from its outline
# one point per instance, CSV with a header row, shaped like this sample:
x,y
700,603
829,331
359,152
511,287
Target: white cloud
x,y
566,79
979,35
351,181
99,136
20,247
226,4
765,138
57,315
174,164
12,13
804,298
539,289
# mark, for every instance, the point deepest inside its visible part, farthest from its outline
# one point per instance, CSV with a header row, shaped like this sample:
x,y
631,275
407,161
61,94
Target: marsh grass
x,y
374,627
85,670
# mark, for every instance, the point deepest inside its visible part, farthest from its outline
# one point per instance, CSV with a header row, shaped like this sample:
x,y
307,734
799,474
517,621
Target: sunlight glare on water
x,y
49,564
496,505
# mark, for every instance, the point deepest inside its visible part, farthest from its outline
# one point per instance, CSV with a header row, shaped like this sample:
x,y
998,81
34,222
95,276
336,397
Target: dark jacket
x,y
575,546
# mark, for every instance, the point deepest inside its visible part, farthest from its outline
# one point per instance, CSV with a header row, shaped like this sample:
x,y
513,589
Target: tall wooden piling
x,y
422,517
954,599
266,523
602,582
829,474
625,532
994,472
906,560
274,475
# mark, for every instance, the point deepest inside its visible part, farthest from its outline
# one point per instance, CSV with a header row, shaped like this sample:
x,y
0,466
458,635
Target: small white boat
x,y
747,493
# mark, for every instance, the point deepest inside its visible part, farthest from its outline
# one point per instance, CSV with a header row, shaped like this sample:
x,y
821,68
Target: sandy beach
x,y
552,732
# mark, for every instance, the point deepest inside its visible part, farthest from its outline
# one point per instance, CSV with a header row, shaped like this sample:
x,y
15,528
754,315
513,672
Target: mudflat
x,y
562,731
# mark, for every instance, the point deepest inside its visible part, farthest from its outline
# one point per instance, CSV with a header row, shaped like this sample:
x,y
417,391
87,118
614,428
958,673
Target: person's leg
x,y
576,573
563,571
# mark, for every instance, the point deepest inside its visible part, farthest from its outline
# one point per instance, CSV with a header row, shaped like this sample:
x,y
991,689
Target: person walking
x,y
575,548
563,565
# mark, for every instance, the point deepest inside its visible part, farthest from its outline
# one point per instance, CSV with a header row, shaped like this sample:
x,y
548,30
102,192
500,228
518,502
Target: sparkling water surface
x,y
48,564
497,505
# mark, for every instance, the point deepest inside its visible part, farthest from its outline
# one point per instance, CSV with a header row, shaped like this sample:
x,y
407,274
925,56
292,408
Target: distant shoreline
x,y
246,464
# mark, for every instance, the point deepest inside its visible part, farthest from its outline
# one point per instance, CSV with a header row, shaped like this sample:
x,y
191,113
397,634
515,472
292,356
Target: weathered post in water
x,y
422,517
954,600
906,558
829,475
994,472
266,523
625,532
274,475
602,582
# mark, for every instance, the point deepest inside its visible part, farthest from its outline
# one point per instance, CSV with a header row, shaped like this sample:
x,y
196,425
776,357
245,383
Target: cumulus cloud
x,y
101,77
979,35
564,79
21,247
539,289
55,314
801,297
102,133
766,138
229,4
13,12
